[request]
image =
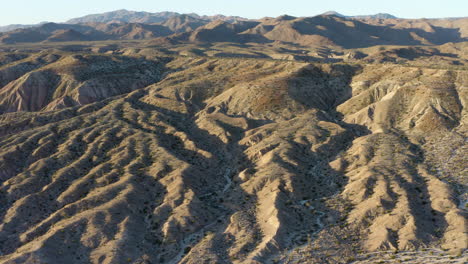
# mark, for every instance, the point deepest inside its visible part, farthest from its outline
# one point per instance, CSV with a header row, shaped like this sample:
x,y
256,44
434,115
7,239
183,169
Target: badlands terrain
x,y
132,137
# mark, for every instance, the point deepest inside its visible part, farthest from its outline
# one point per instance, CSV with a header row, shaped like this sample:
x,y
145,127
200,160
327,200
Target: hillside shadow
x,y
314,177
415,53
314,87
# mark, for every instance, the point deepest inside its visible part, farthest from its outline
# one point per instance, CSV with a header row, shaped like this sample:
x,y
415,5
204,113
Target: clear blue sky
x,y
34,11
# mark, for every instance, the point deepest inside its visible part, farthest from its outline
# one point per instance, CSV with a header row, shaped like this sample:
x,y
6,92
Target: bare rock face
x,y
230,161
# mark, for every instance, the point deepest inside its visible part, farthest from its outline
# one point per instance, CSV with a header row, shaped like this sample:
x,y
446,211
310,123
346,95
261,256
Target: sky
x,y
34,11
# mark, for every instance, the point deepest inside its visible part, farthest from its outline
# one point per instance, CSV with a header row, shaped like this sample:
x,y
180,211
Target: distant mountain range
x,y
127,16
376,16
123,16
12,27
330,28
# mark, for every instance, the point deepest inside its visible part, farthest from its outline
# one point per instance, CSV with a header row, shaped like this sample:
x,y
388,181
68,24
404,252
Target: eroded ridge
x,y
237,161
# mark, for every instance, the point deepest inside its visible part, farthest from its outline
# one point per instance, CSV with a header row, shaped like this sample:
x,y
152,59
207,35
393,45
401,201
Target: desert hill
x,y
329,29
67,35
137,137
230,161
139,31
48,30
184,23
47,82
353,33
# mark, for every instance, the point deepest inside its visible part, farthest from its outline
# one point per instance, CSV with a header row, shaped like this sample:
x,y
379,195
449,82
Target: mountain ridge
x,y
125,16
307,31
375,16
